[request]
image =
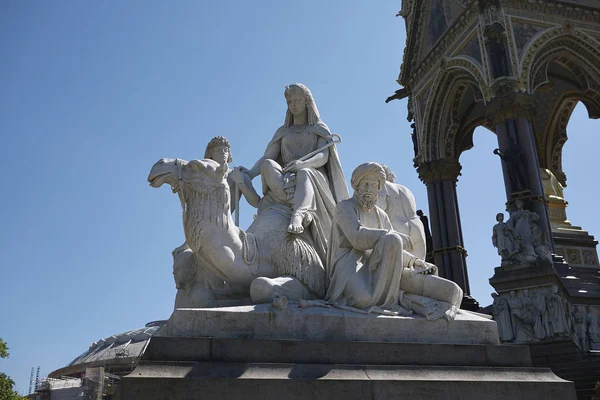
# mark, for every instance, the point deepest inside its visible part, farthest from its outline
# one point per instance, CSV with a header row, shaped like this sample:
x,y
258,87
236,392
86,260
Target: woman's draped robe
x,y
328,182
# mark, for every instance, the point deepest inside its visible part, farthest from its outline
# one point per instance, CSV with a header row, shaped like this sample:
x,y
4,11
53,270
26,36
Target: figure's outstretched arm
x,y
243,182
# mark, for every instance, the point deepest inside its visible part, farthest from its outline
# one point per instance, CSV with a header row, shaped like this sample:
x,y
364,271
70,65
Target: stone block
x,y
327,324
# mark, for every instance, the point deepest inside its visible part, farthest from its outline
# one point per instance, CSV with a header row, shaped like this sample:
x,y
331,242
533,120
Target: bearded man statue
x,y
370,266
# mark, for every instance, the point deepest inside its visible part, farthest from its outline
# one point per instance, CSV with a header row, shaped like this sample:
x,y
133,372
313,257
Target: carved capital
x,y
510,106
439,170
504,86
491,16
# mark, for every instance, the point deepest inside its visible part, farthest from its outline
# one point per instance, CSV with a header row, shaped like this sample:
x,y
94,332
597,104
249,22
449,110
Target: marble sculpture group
x,y
311,242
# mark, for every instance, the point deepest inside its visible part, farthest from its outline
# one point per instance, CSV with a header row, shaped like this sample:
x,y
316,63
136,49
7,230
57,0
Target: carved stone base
x,y
215,368
577,247
266,322
517,277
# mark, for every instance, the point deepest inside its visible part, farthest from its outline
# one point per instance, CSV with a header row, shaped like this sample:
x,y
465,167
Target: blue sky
x,y
94,93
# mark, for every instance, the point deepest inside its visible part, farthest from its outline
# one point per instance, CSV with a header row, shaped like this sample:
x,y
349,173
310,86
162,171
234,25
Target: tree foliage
x,y
7,391
3,349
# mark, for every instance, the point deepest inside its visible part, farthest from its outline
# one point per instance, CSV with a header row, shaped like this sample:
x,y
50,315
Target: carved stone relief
x,y
531,315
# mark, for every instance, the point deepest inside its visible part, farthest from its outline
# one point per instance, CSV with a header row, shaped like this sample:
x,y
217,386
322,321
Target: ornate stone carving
x,y
573,256
593,327
526,318
441,122
532,315
556,319
502,315
194,283
503,239
492,14
439,170
589,257
550,44
586,326
579,328
415,70
510,106
551,8
521,241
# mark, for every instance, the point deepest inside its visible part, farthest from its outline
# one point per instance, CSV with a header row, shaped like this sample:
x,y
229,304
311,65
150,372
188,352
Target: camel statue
x,y
262,262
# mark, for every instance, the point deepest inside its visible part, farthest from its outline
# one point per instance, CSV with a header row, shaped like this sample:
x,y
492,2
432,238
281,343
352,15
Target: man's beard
x,y
366,200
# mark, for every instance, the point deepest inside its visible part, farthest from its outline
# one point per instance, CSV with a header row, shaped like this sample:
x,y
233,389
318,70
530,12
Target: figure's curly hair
x,y
218,141
311,107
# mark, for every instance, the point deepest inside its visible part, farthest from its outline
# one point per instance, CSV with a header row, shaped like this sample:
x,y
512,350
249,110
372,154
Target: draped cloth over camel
x,y
328,182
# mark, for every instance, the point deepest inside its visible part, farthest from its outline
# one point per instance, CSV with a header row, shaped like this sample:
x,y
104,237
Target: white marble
x,y
400,205
310,242
502,316
317,323
531,315
370,265
521,241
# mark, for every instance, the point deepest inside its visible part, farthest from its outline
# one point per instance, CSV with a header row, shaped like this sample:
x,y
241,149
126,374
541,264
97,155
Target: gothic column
x,y
449,253
511,115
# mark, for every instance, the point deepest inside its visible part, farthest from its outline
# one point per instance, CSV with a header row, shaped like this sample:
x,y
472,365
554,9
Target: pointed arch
x,y
460,84
554,134
569,47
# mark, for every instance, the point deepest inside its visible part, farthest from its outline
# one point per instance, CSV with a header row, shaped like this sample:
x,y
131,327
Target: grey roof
x,y
125,347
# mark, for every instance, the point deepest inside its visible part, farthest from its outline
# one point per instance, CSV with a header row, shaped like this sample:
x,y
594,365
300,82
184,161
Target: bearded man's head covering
x,y
368,169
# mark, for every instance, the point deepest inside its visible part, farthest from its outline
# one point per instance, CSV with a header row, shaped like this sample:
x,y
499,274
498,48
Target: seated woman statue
x,y
306,189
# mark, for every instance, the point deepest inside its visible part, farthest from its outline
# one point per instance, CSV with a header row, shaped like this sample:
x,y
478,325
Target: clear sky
x,y
92,94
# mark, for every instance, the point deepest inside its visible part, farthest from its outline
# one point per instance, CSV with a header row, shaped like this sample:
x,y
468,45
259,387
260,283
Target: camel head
x,y
166,170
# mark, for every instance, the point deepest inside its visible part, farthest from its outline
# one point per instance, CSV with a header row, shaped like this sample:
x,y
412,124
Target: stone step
x,y
262,321
210,380
301,351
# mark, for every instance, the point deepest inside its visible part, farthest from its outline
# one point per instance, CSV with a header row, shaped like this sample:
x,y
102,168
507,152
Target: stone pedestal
x,y
259,354
263,322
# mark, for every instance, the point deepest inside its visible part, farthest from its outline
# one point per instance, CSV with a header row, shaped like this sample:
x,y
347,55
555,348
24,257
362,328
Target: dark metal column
x,y
448,249
518,152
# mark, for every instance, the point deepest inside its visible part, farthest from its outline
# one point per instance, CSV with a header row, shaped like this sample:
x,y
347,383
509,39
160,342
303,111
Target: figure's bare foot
x,y
295,225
